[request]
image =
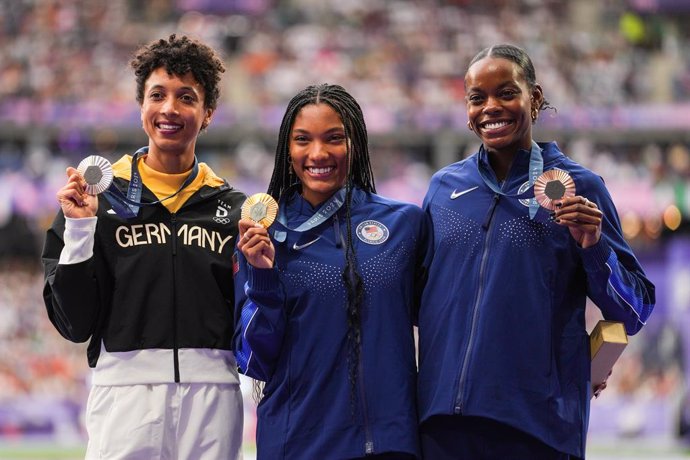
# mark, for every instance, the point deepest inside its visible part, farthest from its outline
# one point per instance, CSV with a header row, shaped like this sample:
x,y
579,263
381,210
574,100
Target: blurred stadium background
x,y
618,72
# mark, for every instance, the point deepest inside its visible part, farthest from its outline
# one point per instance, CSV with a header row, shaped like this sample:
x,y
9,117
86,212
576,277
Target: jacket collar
x,y
520,166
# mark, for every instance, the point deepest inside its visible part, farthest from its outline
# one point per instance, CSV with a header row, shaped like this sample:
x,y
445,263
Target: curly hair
x,y
180,55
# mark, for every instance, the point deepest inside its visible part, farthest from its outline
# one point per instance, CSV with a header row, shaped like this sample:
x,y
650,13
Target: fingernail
x,y
558,221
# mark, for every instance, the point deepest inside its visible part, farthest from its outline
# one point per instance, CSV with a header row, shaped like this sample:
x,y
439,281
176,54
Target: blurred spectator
x,y
620,64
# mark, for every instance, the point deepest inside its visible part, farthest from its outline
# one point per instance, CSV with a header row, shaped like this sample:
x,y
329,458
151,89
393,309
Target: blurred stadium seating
x,y
618,73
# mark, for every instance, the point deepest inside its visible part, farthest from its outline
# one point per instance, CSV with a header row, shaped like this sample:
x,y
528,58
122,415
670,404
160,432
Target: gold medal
x,y
261,208
97,173
552,185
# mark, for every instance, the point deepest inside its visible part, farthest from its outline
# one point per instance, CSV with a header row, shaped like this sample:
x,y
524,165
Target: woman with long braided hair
x,y
327,296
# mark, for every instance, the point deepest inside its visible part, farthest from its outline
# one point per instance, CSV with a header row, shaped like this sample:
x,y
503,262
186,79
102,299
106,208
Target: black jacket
x,y
159,281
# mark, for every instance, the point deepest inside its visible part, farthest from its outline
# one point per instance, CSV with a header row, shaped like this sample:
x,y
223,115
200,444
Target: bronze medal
x,y
261,208
97,173
553,185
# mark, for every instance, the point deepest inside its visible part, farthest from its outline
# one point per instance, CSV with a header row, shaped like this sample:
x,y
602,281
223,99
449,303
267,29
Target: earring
x,y
469,126
535,114
291,172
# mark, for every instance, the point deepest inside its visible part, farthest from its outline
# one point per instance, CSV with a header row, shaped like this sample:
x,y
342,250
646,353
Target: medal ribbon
x,y
324,212
536,167
128,206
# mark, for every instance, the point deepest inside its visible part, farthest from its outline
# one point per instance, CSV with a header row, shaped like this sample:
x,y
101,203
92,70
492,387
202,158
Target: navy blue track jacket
x,y
292,333
502,323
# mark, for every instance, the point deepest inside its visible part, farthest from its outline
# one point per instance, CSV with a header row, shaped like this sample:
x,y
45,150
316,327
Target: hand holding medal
x,y
555,191
551,186
261,208
97,173
93,175
258,212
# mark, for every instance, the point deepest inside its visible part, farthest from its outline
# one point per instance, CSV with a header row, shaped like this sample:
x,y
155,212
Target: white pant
x,y
184,421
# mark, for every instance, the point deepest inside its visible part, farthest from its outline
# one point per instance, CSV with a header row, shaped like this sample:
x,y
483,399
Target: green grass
x,y
23,450
40,452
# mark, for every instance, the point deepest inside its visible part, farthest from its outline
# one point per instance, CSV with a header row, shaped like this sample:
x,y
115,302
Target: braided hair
x,y
518,56
350,113
359,175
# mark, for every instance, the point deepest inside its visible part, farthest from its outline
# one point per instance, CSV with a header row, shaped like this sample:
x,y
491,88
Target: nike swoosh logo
x,y
456,194
297,247
111,211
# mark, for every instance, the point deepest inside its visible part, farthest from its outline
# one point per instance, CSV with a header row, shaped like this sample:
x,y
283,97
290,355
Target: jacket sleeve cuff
x,y
595,257
263,279
79,239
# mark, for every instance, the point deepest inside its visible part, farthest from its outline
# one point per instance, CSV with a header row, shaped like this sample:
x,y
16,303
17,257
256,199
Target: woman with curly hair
x,y
142,270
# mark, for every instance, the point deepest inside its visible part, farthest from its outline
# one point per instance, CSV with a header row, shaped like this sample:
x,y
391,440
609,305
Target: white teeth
x,y
168,127
320,170
495,125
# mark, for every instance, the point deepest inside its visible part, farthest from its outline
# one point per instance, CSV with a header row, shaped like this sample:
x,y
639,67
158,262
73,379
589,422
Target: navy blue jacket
x,y
292,333
502,323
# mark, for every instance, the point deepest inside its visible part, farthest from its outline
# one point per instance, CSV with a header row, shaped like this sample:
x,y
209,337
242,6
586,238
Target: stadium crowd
x,y
63,96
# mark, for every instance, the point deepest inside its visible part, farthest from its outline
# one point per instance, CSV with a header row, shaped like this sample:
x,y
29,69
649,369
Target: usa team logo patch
x,y
372,232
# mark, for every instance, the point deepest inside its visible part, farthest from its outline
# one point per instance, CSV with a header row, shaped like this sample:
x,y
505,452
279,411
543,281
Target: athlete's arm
x,y
616,282
70,290
259,318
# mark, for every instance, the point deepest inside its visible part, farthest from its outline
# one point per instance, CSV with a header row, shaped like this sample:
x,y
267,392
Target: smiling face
x,y
499,105
173,113
318,149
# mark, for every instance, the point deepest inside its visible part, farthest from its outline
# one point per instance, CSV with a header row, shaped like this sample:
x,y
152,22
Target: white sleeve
x,y
79,238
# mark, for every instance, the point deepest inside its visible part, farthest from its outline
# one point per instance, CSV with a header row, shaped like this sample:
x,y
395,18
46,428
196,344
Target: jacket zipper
x,y
173,224
475,309
176,358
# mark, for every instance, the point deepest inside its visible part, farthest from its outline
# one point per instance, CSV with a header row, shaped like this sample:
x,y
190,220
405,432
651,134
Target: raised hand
x,y
582,217
73,199
255,244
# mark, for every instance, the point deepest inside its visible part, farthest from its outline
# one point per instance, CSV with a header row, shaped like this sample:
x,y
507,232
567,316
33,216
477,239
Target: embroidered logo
x,y
456,194
222,215
298,247
372,232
